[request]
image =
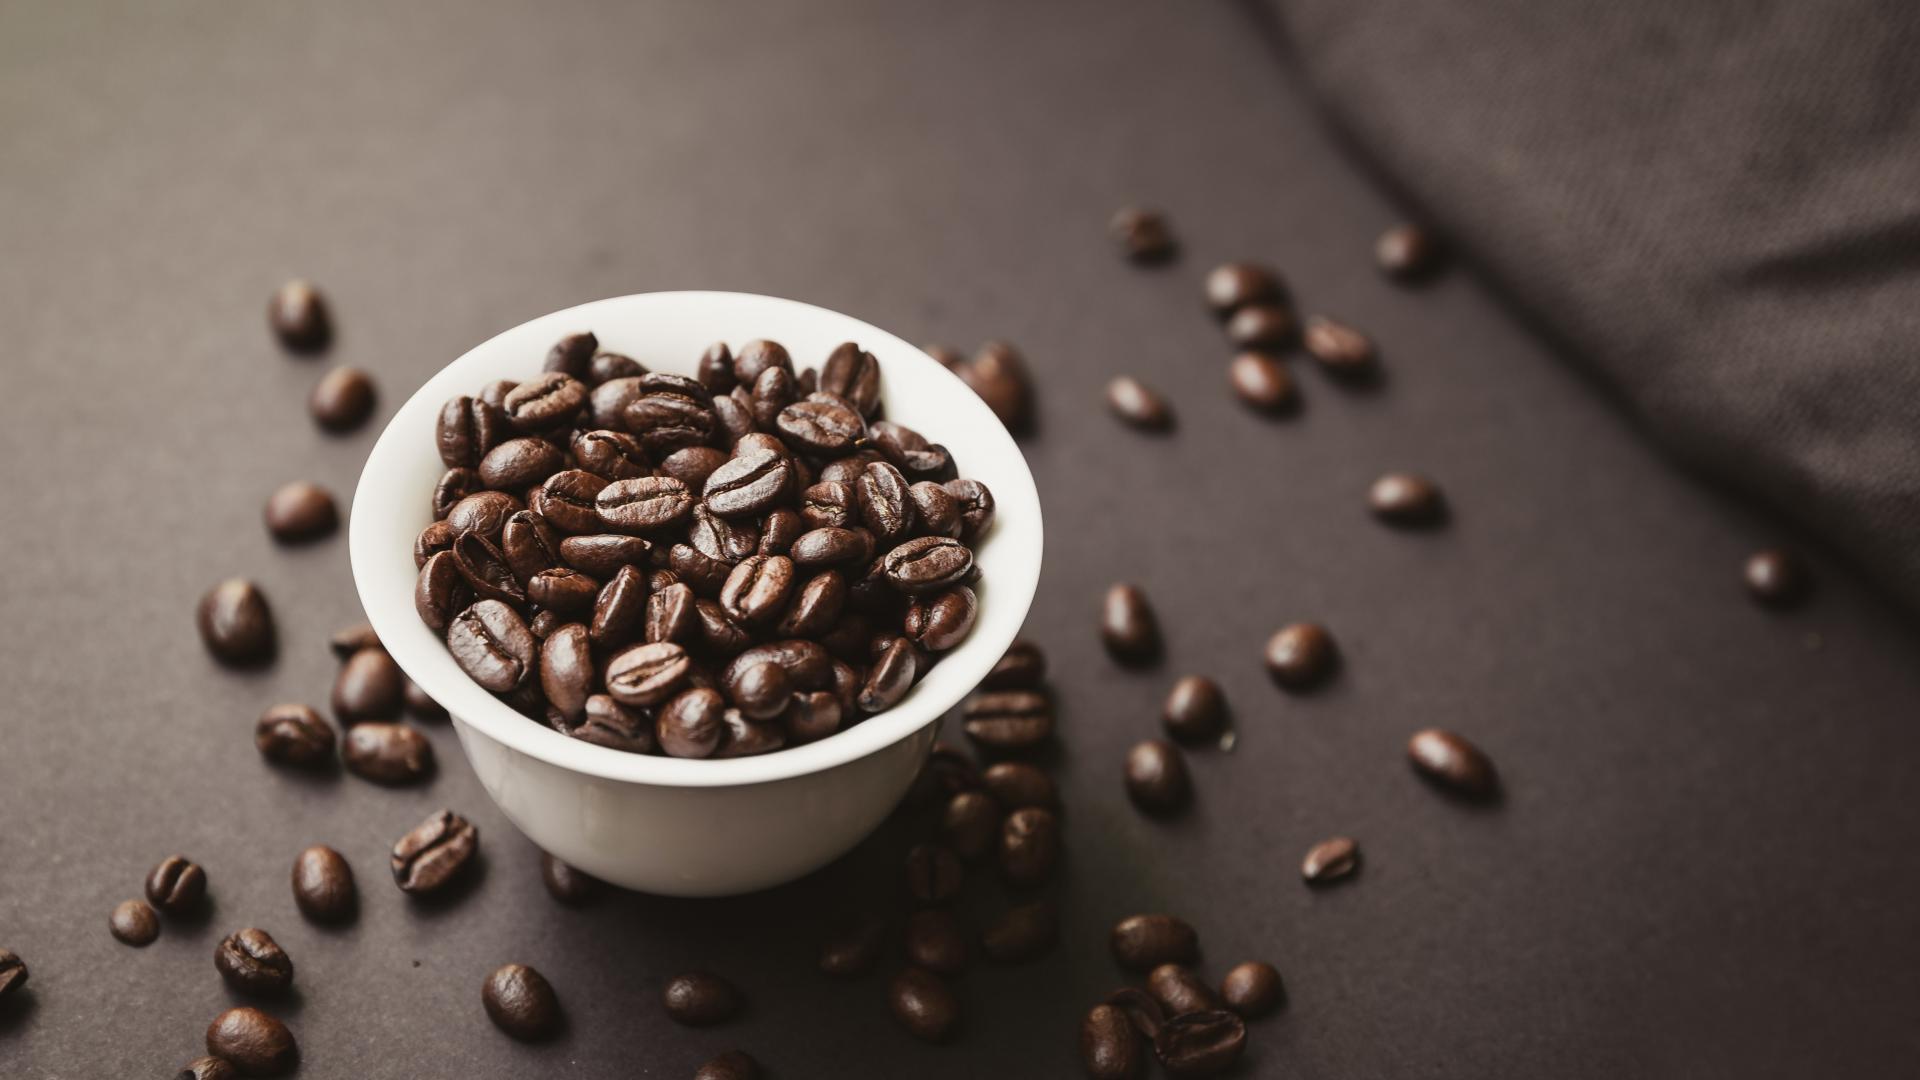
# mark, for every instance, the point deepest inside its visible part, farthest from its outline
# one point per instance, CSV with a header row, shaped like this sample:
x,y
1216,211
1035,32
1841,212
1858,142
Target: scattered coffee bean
x,y
1023,933
369,686
13,976
521,1002
1008,720
1029,845
1144,942
207,1068
1406,499
1196,710
935,941
298,315
1262,382
323,886
252,962
236,624
300,511
851,951
1022,667
134,923
1180,991
1251,989
253,1042
1453,763
1344,352
1201,1043
934,874
433,854
1016,784
732,1065
565,883
700,998
998,374
1330,860
348,640
342,399
1778,578
1143,235
1110,1047
1142,1009
1233,286
1156,776
1138,404
1128,627
1262,326
294,735
387,753
924,1005
1408,252
177,885
971,824
1301,655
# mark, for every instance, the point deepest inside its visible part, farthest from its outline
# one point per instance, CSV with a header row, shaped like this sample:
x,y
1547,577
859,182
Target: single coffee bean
x,y
975,505
748,483
520,463
671,614
485,569
369,686
1344,352
665,422
934,874
348,640
1022,667
1180,991
440,592
134,923
890,677
886,502
700,998
851,951
732,1065
772,392
761,691
297,313
936,941
1233,286
997,374
252,962
756,591
604,555
817,605
756,357
606,722
483,513
927,564
1262,382
342,399
1128,626
569,501
1251,989
611,455
1144,942
852,374
936,512
619,611
177,885
529,545
434,853
255,1043
1024,933
1029,845
387,753
1008,720
1201,1043
1301,655
1156,776
1138,404
13,976
1196,710
1406,499
924,1005
971,824
566,592
715,370
565,883
466,430
236,624
1330,860
1778,578
1016,784
566,670
1453,763
832,504
493,646
1262,326
323,886
647,674
693,465
606,367
294,735
572,355
1408,252
521,1002
433,540
1143,235
706,576
647,504
1110,1048
546,402
207,1068
817,548
607,403
300,511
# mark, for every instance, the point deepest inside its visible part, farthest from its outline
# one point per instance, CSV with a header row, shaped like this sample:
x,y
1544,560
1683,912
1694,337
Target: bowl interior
x,y
668,332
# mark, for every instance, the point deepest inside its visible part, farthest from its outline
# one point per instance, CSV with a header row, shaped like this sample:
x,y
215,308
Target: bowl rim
x,y
408,434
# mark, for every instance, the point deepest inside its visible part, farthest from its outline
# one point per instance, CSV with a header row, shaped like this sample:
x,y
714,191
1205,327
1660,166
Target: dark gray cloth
x,y
1715,205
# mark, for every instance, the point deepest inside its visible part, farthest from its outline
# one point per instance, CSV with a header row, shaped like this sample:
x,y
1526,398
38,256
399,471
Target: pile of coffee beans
x,y
699,567
1178,1019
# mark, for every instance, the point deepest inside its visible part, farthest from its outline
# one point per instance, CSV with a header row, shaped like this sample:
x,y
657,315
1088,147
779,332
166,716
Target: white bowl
x,y
669,825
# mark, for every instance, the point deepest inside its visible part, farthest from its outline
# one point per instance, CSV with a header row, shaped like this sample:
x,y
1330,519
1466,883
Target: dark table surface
x,y
1704,864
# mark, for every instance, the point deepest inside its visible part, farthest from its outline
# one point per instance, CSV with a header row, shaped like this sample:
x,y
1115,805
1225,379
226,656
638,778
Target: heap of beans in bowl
x,y
701,567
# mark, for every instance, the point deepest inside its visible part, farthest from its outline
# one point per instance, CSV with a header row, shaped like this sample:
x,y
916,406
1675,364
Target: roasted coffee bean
x,y
342,399
853,374
936,941
421,704
252,962
493,646
568,501
177,885
323,885
604,555
934,874
851,951
1778,578
1196,710
1141,1009
253,1042
817,605
1251,989
998,375
832,546
647,504
13,976
1029,845
1180,991
1110,1048
1022,667
1406,499
936,512
1201,1043
1344,352
692,724
1143,235
495,393
886,504
1408,252
811,717
760,691
134,923
1128,626
1330,860
565,883
236,624
293,735
300,511
1453,763
1262,382
546,402
1144,942
466,430
666,422
607,403
521,1002
1008,720
756,591
529,545
483,514
924,1005
942,621
1017,784
715,632
971,824
348,640
671,615
745,738
732,1065
1262,326
1156,776
848,469
700,998
1023,933
733,418
1138,404
387,753
1301,655
566,670
520,463
484,568
298,315
432,540
567,592
822,425
440,592
571,355
369,686
433,854
778,530
771,393
647,674
715,370
927,564
607,366
756,357
208,1068
704,575
606,722
454,485
619,611
1233,286
528,700
890,677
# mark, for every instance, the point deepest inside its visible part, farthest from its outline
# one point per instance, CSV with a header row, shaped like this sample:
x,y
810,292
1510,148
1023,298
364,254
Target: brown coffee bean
x,y
566,670
1015,784
1251,989
1022,667
421,704
974,503
1330,860
756,357
252,962
521,1002
700,998
1344,352
671,615
1138,404
208,1068
1029,845
927,564
606,722
1180,991
440,592
297,313
1023,933
1406,499
348,640
1453,763
546,402
236,624
485,569
757,590
564,591
890,677
300,511
177,885
294,735
1195,710
323,885
369,686
935,941
620,610
1301,655
998,375
1141,1009
342,399
1778,578
852,374
433,540
821,548
647,674
387,753
1201,1043
748,483
432,855
565,883
1233,286
692,724
924,1005
1262,382
493,646
934,874
1144,942
647,504
1008,720
732,1065
1408,252
1128,626
971,824
572,355
569,501
1157,779
1110,1048
1143,235
483,513
255,1043
1262,326
604,555
134,923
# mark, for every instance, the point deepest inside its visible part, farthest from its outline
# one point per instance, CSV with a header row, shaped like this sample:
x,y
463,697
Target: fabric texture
x,y
1716,206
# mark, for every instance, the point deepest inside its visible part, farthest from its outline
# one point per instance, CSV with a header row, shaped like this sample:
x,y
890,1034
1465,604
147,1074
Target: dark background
x,y
1704,863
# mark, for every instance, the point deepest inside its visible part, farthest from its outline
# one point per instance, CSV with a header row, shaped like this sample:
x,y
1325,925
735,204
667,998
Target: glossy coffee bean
x,y
1330,860
1201,1043
1344,352
890,677
692,724
1408,252
1022,667
1453,763
1232,286
369,686
1135,403
1141,1009
620,610
433,540
1262,326
1144,942
13,977
831,504
1180,991
440,592
1023,933
521,1002
299,512
936,941
569,502
1301,655
177,885
1262,382
323,886
529,545
207,1068
821,548
1156,776
647,674
484,567
671,614
603,555
492,644
1406,499
1143,235
483,513
1251,989
974,503
700,998
297,314
748,483
885,501
732,1065
606,367
1778,578
1008,720
927,564
755,357
565,883
1195,709
970,824
665,422
253,1042
572,355
1029,845
432,855
1127,625
757,590
998,375
294,735
647,504
761,691
520,463
134,922
1015,784
565,592
387,753
342,399
545,402
606,722
253,963
853,375
1110,1048
236,624
924,1005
